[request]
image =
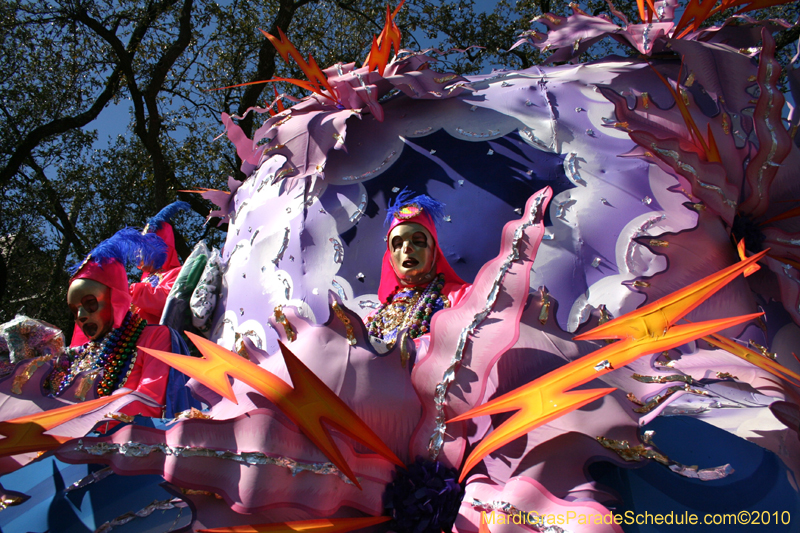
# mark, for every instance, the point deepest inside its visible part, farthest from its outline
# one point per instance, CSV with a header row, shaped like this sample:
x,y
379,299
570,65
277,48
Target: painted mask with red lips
x,y
413,253
90,303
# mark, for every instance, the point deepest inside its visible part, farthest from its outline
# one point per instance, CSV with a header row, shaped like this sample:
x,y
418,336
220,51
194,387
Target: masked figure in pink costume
x,y
109,361
150,295
416,279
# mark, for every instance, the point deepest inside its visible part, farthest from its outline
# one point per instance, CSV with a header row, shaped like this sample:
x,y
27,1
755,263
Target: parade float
x,y
629,232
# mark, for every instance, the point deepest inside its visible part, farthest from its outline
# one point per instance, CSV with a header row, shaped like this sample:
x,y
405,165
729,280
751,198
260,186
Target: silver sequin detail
x,y
477,135
94,477
338,251
163,505
642,230
284,245
672,154
339,289
369,173
138,449
571,169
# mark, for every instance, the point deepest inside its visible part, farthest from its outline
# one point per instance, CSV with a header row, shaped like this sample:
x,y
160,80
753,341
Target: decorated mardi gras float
x,y
554,299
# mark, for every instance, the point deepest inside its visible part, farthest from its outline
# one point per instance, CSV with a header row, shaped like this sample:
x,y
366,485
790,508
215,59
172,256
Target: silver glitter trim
x,y
236,213
283,247
338,251
339,289
94,477
239,246
369,173
529,137
793,242
476,135
368,304
440,398
163,505
646,37
571,169
138,449
672,154
361,209
641,231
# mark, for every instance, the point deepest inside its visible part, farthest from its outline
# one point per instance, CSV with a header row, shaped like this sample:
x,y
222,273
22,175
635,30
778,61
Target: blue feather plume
x,y
434,208
127,246
166,214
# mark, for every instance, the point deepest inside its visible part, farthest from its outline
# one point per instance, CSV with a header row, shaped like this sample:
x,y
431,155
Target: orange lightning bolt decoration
x,y
307,404
381,47
26,434
646,330
333,525
751,356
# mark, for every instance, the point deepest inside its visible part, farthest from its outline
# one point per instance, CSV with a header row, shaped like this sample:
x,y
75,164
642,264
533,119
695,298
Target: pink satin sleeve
x,y
149,375
456,292
151,300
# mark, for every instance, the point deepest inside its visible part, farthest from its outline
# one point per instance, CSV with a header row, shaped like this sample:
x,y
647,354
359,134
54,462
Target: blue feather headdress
x,y
165,215
125,246
406,206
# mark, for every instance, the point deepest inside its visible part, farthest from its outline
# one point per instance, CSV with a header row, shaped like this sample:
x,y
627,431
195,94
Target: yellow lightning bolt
x,y
26,434
307,404
646,330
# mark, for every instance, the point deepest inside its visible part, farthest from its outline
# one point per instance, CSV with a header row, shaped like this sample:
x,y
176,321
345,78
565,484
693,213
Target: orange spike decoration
x,y
316,78
307,404
26,434
751,356
647,330
332,525
390,36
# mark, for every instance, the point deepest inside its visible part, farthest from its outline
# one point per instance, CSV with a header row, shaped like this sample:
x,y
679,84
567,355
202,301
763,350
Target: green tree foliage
x,y
64,64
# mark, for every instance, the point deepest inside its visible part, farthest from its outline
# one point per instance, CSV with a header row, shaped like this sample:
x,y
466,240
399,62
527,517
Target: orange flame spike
x,y
751,356
312,71
655,318
26,434
381,46
550,396
695,13
306,405
691,125
713,151
752,269
795,212
325,525
279,104
646,11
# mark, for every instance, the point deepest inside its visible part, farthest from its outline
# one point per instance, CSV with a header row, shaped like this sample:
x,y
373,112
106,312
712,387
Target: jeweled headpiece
x,y
407,206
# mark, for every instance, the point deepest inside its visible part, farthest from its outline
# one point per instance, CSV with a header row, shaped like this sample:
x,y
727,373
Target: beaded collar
x,y
410,308
114,355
